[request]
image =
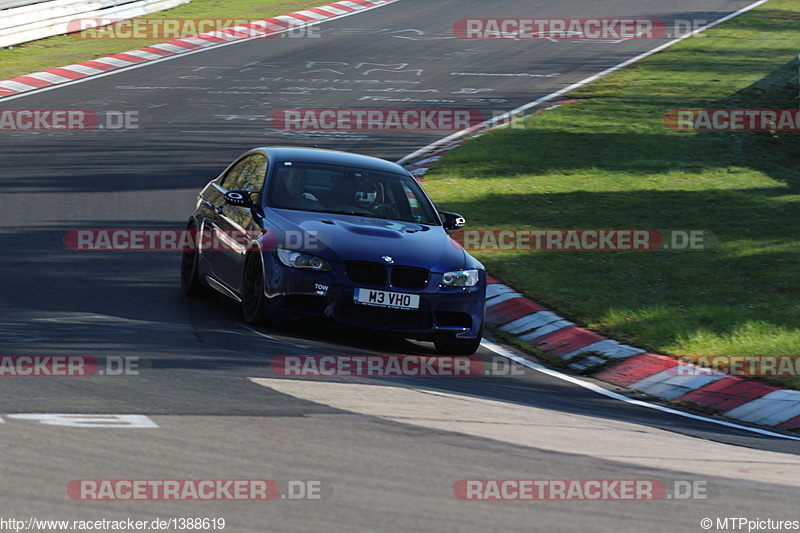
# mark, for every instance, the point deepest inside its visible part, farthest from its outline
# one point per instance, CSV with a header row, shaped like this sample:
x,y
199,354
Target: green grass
x,y
64,50
610,162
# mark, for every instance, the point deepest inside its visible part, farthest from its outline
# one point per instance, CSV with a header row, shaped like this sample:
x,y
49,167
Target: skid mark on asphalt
x,y
134,327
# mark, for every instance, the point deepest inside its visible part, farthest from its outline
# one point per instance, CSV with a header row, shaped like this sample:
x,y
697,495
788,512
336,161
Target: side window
x,y
232,177
247,174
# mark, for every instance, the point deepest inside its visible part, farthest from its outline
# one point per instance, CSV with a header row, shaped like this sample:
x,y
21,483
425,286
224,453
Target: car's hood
x,y
354,238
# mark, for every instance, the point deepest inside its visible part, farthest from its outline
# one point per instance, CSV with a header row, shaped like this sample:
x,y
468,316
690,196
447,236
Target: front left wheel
x,y
253,290
190,281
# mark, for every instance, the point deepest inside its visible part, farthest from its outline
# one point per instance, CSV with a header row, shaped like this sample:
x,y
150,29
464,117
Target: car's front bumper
x,y
443,311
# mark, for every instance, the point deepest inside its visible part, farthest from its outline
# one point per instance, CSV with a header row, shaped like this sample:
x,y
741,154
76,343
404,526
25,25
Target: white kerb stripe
x,y
113,61
598,347
311,14
272,27
48,77
175,49
773,409
350,4
502,298
544,330
83,69
292,20
609,348
495,289
527,323
669,386
15,85
332,10
200,41
143,54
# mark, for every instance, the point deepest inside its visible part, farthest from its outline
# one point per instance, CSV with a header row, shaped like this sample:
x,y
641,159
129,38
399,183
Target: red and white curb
x,y
253,30
657,375
419,168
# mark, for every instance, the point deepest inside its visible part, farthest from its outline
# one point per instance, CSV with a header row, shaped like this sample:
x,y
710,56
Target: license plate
x,y
395,300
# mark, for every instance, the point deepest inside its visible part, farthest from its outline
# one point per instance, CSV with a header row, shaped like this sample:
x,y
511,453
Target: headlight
x,y
294,259
460,278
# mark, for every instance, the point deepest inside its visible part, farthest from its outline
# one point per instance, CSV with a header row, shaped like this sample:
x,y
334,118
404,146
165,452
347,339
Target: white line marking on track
x,y
89,421
522,109
71,318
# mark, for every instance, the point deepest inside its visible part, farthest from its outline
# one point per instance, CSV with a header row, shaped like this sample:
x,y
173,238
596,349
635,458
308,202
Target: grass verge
x,y
610,162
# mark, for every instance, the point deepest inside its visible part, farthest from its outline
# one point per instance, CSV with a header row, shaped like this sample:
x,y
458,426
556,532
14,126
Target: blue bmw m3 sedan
x,y
294,232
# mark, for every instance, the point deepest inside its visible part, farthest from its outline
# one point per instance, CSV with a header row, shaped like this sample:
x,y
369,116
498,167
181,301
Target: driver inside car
x,y
296,184
294,194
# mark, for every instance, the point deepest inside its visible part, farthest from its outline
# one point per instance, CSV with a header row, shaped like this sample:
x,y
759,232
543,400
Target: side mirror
x,y
239,198
452,220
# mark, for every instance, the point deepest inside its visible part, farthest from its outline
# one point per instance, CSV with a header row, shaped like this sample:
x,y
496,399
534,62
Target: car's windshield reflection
x,y
349,191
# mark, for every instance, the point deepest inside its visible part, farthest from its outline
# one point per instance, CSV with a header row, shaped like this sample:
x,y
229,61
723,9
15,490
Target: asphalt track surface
x,y
387,451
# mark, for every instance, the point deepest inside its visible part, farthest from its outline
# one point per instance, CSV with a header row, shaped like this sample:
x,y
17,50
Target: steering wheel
x,y
386,210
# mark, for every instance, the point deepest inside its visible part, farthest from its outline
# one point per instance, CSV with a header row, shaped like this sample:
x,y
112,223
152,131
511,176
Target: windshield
x,y
351,191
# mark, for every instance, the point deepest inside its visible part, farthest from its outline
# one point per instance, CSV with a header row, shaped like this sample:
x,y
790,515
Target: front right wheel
x,y
459,346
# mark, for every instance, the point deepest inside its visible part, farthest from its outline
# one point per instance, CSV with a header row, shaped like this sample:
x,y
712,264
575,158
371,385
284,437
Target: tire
x,y
253,290
461,346
458,346
190,282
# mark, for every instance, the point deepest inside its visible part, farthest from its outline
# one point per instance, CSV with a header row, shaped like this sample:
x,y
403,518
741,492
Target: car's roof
x,y
332,157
